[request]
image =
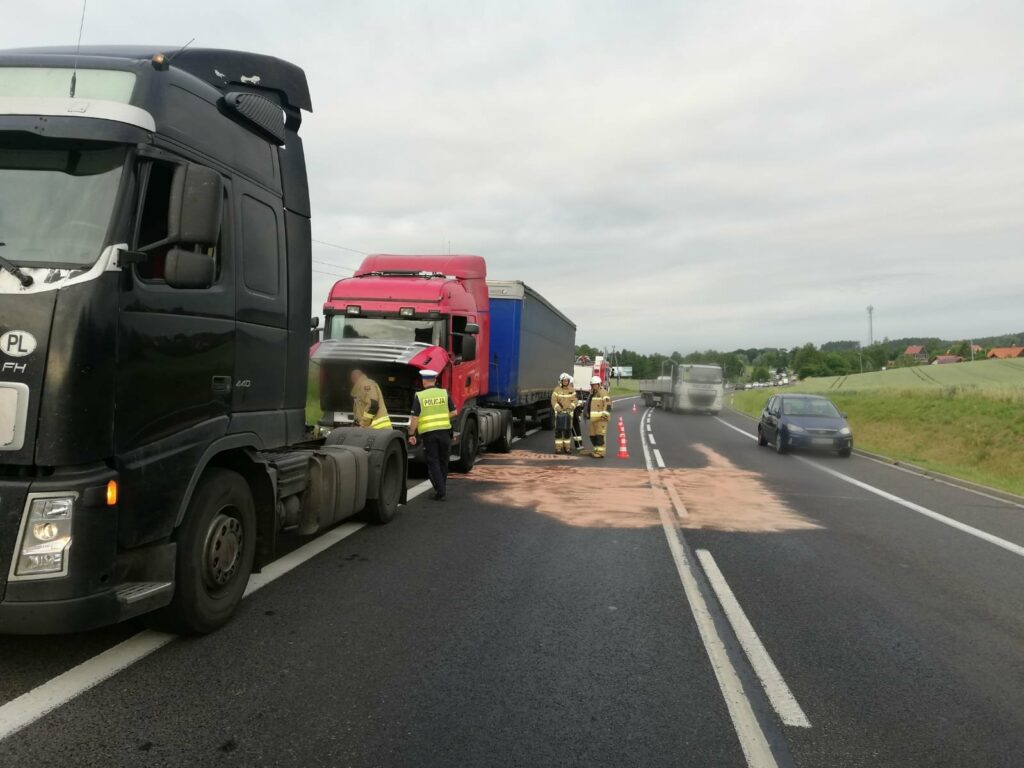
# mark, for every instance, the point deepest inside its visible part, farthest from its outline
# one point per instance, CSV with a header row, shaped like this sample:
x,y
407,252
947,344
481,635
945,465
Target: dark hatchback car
x,y
804,421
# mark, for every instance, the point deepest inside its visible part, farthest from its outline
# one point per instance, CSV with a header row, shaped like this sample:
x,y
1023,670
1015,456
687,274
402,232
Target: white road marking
x,y
752,740
34,704
417,490
657,458
774,685
650,437
1009,546
676,501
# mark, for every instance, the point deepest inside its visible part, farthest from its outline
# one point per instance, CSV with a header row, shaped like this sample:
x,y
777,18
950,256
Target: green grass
x,y
628,387
974,431
982,374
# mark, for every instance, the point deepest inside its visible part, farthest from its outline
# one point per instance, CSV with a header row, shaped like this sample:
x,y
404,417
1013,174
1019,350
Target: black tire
x,y
845,452
382,510
780,441
547,421
468,447
220,523
504,443
761,439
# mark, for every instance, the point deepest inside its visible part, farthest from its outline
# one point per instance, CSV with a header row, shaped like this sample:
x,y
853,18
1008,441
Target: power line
x,y
330,274
332,264
340,247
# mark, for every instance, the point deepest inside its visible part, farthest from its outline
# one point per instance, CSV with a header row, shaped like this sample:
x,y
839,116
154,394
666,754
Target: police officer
x,y
599,411
431,422
563,403
368,402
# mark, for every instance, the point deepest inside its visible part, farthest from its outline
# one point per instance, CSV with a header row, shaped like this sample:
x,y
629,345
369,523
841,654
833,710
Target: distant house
x,y
1004,353
917,352
975,348
946,359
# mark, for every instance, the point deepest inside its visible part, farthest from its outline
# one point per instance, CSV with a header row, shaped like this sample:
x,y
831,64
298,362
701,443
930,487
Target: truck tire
x,y
468,447
547,421
504,443
216,544
382,509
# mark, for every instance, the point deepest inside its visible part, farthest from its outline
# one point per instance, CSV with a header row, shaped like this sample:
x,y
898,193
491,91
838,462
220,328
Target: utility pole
x,y
871,326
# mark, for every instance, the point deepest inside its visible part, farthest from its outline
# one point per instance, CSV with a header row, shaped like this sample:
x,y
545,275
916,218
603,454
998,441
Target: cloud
x,y
679,176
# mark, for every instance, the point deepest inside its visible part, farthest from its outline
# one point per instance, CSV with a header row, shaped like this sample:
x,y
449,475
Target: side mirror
x,y
469,349
189,269
472,329
194,213
314,323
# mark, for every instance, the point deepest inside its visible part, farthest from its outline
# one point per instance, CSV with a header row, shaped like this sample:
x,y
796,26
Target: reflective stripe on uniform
x,y
381,422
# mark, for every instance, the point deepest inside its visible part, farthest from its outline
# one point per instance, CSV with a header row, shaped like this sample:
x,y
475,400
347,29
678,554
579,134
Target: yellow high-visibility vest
x,y
433,410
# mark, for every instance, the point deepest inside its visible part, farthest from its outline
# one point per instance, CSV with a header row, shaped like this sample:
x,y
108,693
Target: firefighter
x,y
563,403
368,402
577,416
599,411
431,422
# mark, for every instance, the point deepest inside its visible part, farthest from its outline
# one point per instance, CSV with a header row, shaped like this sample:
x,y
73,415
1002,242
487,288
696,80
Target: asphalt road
x,y
732,607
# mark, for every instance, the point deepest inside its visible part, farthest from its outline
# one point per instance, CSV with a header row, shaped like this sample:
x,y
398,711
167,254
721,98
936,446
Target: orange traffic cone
x,y
634,407
623,451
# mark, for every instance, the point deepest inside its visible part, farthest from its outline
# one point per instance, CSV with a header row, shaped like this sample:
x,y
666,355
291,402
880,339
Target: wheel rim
x,y
225,540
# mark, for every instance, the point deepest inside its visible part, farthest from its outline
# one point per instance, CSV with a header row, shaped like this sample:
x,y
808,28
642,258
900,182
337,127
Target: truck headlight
x,y
46,537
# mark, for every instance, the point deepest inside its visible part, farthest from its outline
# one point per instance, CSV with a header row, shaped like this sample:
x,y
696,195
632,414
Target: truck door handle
x,y
221,385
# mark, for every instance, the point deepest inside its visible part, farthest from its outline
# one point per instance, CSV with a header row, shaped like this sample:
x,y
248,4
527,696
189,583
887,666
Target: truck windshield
x,y
387,329
56,200
703,375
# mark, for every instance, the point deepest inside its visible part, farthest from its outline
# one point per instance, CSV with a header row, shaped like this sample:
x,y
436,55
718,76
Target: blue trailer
x,y
531,343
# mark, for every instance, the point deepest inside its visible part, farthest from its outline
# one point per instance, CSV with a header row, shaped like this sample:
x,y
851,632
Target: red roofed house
x,y
917,352
1004,353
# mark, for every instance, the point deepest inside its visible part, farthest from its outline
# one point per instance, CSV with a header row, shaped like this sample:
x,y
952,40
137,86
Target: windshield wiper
x,y
14,269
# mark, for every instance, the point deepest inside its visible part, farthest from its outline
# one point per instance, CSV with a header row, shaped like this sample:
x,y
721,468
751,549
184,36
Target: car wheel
x,y
761,439
780,441
845,452
216,545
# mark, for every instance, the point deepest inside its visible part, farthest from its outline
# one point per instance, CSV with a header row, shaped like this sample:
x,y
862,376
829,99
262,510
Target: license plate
x,y
823,441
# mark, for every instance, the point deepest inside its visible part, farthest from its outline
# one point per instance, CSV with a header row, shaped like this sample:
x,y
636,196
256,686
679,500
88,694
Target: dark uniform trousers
x,y
437,447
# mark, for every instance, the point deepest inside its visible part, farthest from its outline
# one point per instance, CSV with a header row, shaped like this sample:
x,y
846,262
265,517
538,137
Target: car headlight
x,y
844,431
46,537
795,428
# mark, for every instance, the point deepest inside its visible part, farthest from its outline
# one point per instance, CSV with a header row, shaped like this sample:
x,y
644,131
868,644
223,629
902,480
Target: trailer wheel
x,y
504,443
468,448
382,509
216,544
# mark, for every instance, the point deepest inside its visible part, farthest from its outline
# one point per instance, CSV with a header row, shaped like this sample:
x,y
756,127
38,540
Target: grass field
x,y
628,387
965,420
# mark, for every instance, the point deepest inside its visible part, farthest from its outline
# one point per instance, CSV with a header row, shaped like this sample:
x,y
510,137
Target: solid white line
x,y
676,501
657,458
29,707
36,703
752,740
1009,546
774,685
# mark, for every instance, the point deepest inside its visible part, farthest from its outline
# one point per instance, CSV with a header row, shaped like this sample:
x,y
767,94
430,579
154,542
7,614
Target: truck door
x,y
176,349
465,371
261,298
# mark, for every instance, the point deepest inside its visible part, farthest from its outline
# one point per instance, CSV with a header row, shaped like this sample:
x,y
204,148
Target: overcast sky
x,y
672,175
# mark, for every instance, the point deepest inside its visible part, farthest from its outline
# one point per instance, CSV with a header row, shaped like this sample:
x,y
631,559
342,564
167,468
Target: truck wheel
x,y
467,448
216,544
382,510
504,443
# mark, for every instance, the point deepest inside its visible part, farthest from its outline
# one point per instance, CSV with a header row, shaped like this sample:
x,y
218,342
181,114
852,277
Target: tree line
x,y
833,358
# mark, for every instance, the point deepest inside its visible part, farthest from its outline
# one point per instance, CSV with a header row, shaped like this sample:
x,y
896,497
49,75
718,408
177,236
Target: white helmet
x,y
563,376
596,380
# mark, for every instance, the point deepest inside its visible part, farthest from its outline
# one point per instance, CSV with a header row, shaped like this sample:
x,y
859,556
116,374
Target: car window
x,y
770,404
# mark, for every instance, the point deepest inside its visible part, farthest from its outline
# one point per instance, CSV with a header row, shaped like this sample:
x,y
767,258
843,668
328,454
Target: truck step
x,y
136,591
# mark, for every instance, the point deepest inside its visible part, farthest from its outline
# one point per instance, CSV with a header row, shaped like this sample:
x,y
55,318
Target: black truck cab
x,y
155,316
